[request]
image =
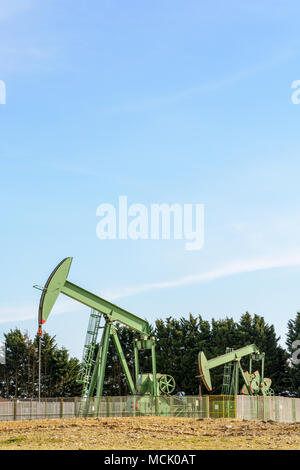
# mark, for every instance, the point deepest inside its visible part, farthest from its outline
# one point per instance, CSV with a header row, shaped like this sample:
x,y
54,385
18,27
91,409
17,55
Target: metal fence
x,y
146,405
281,409
190,406
211,406
17,410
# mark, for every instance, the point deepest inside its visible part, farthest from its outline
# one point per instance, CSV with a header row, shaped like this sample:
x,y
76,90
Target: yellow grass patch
x,y
148,433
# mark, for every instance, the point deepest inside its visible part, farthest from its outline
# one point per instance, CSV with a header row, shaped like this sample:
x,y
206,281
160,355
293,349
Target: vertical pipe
x,y
236,391
136,362
262,367
232,383
39,372
102,364
155,389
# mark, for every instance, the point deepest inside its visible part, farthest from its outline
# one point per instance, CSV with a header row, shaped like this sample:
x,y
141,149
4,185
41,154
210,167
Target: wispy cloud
x,y
12,8
29,311
26,52
10,313
20,53
214,85
71,168
232,268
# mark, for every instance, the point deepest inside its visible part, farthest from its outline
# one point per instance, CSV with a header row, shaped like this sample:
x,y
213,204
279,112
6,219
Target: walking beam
x,y
57,283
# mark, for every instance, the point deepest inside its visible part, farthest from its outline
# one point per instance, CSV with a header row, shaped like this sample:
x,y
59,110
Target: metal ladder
x,y
227,376
84,375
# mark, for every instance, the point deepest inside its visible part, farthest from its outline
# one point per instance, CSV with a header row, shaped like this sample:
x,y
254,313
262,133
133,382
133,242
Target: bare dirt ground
x,y
149,433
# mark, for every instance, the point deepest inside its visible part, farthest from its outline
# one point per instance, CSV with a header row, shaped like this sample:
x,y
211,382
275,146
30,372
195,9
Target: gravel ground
x,y
148,433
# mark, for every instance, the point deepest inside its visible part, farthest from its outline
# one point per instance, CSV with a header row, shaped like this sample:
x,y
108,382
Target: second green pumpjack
x,y
92,372
254,383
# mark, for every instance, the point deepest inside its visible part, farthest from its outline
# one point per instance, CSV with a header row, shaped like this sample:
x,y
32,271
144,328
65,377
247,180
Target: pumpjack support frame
x,y
254,383
57,283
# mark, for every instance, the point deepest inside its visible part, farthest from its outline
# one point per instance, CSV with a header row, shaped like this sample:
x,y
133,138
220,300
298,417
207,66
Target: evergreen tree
x,y
178,343
15,373
224,333
115,382
256,330
293,348
20,374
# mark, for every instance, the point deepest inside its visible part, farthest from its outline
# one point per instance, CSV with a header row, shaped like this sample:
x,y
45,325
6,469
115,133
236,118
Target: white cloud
x,y
14,313
235,267
215,85
10,313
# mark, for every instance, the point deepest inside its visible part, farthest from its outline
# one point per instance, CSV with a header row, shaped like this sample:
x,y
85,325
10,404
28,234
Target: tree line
x,y
178,342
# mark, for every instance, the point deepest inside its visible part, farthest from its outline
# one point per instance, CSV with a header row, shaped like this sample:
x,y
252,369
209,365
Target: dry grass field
x,y
150,433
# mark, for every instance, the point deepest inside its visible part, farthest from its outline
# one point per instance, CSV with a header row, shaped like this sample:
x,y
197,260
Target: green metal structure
x,y
227,375
254,383
87,363
92,372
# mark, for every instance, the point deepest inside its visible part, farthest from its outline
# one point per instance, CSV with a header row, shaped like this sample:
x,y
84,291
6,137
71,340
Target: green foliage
x,y
264,336
177,347
115,382
293,348
19,378
178,342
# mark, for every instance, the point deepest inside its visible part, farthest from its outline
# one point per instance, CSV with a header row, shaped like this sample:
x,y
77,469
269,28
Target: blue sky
x,y
164,102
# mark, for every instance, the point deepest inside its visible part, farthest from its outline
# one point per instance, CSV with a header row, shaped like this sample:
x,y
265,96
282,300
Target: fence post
x,y
107,406
276,409
15,408
238,406
293,409
61,411
76,408
207,406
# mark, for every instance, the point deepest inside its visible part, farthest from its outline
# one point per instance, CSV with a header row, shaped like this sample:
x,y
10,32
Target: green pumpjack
x,y
254,382
151,383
